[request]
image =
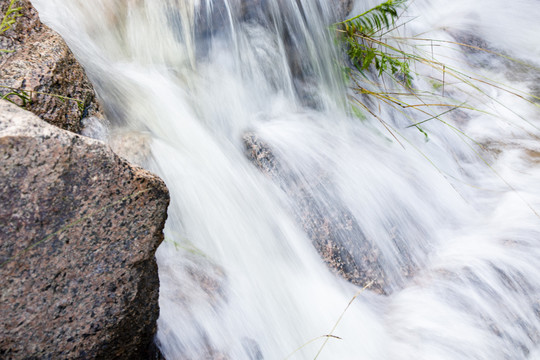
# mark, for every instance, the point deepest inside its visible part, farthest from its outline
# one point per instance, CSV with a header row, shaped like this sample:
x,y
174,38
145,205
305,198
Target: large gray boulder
x,y
41,68
79,227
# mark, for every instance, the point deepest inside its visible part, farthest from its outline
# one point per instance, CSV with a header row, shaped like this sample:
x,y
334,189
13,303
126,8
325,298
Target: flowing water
x,y
448,215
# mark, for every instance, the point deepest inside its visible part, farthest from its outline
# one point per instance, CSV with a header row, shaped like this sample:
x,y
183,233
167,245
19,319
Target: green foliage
x,y
364,45
24,97
373,20
363,54
12,13
10,17
370,45
371,42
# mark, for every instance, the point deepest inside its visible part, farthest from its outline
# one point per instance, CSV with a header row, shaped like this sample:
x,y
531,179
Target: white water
x,y
239,277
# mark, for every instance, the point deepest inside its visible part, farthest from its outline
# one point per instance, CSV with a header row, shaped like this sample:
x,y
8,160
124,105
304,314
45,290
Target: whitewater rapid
x,y
183,81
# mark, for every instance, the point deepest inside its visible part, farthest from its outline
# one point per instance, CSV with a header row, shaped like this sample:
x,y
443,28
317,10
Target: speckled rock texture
x,y
79,230
331,227
42,66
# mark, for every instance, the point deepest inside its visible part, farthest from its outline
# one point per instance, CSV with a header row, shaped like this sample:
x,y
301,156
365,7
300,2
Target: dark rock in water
x,y
79,230
41,68
331,227
251,9
190,280
216,15
253,351
342,8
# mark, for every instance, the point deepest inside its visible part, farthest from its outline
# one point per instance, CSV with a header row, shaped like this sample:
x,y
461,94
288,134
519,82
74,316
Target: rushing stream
x,y
444,221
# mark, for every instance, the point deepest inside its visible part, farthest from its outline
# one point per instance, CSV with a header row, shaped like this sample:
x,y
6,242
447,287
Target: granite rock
x,y
332,228
41,68
79,230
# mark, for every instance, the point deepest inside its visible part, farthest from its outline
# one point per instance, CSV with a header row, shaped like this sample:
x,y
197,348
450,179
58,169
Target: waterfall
x,y
240,106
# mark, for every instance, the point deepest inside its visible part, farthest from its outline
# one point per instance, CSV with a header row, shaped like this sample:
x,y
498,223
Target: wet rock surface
x,y
42,74
331,227
190,280
79,230
210,19
343,7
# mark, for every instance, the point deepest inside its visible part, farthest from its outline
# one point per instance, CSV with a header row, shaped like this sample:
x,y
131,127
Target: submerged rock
x,y
41,73
216,15
79,230
331,227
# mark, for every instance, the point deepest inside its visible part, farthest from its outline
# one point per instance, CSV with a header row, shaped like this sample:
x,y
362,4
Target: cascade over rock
x,y
215,16
80,227
331,227
450,235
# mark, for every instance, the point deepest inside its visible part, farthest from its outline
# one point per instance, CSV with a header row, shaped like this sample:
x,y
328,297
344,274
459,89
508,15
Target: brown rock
x,y
79,229
331,227
41,67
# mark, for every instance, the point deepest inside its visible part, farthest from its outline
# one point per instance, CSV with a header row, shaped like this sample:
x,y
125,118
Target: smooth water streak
x,y
183,82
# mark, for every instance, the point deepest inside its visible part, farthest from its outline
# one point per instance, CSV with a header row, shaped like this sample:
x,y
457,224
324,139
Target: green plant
x,y
363,37
10,17
370,43
22,95
25,96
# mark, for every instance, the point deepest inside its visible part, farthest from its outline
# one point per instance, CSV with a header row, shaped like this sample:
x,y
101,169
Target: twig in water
x,y
341,317
311,341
